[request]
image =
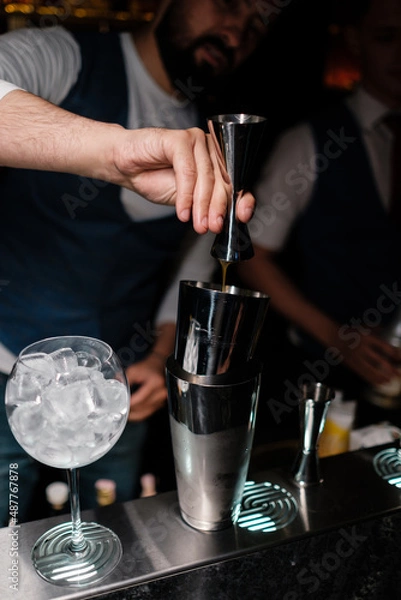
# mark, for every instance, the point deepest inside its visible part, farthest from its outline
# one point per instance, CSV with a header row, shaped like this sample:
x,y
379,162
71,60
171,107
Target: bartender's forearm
x,y
262,273
36,134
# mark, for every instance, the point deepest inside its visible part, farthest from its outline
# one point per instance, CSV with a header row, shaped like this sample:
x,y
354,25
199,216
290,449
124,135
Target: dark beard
x,y
195,82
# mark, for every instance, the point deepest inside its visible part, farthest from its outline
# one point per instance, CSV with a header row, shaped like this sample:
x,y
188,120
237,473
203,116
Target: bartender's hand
x,y
180,167
165,166
148,380
372,358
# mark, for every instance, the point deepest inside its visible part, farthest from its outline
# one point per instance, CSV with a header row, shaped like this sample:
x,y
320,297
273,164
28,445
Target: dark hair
x,y
350,12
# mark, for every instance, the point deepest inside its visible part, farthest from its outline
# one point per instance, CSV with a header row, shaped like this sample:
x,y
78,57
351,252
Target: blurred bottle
x,y
105,491
57,498
335,436
148,485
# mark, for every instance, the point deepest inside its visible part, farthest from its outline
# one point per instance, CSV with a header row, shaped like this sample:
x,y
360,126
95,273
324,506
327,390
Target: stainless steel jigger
x,y
237,138
314,403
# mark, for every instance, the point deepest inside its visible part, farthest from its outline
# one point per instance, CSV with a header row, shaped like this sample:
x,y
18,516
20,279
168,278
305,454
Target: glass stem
x,y
78,542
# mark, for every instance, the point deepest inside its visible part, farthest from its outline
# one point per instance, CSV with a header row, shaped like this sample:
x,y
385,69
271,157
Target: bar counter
x,y
338,540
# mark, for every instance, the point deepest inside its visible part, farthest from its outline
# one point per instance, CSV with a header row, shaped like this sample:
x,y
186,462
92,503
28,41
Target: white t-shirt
x,y
287,178
47,62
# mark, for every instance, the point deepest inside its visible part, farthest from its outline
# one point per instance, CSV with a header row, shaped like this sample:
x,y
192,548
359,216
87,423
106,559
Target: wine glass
x,y
67,402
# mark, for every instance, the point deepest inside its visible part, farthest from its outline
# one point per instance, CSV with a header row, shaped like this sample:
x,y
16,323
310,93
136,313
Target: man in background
x,y
324,198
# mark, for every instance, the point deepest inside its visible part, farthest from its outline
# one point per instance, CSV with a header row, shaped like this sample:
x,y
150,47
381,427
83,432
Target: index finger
x,y
211,194
194,179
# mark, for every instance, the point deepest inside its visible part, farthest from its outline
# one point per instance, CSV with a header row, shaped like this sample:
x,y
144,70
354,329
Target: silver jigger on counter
x,y
237,138
313,407
213,382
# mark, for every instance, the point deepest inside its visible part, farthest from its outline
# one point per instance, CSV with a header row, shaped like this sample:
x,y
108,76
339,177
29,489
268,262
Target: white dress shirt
x,y
287,178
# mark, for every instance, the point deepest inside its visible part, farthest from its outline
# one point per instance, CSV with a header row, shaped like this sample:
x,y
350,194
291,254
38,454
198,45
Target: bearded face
x,y
196,45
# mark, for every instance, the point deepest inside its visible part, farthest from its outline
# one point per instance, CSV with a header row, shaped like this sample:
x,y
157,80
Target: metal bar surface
x,y
157,543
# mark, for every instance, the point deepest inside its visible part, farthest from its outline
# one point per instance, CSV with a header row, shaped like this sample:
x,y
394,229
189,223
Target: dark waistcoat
x,y
71,260
350,250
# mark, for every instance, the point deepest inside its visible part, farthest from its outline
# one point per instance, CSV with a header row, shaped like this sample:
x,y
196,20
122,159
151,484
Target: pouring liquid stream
x,y
224,266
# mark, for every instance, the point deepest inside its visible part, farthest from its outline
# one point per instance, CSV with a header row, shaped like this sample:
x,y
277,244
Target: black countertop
x,y
361,562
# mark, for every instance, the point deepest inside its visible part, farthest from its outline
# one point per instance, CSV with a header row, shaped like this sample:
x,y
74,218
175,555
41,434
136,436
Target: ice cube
x,y
81,435
22,387
73,402
78,375
38,362
102,424
97,377
28,423
82,455
81,440
65,360
54,452
85,359
35,370
111,396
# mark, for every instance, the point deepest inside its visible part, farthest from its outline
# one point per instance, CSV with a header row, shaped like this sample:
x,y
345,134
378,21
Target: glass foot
x,y
387,464
56,563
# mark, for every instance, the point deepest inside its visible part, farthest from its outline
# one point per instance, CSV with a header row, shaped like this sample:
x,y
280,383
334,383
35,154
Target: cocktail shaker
x,y
212,421
217,330
213,381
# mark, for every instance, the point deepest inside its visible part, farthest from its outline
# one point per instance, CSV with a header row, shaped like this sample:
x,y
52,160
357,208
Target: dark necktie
x,y
393,122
